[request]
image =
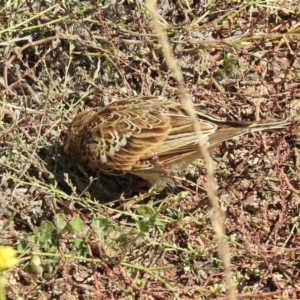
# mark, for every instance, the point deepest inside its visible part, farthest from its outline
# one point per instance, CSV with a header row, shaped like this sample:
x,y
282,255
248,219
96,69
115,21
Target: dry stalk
x,y
186,100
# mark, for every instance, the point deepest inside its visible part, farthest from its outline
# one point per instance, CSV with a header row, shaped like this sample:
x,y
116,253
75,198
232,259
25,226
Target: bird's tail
x,y
268,125
229,129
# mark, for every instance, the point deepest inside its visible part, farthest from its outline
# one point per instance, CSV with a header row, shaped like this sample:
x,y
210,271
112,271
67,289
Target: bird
x,y
144,135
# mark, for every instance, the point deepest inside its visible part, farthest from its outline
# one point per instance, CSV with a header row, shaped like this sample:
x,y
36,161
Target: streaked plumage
x,y
122,137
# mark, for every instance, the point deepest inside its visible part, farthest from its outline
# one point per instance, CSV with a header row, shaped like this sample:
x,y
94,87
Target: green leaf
x,y
36,265
60,220
122,240
43,234
146,211
76,225
102,226
143,226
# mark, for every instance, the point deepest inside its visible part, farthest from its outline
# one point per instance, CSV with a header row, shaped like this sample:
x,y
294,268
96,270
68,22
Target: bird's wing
x,y
123,136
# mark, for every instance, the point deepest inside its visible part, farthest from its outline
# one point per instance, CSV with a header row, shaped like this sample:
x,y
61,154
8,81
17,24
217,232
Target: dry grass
x,y
74,229
186,100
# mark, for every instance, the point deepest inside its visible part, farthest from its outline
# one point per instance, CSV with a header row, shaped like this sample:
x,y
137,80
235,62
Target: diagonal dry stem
x,y
186,100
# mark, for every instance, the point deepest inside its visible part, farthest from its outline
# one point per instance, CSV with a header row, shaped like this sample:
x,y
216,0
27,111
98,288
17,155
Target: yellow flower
x,y
8,258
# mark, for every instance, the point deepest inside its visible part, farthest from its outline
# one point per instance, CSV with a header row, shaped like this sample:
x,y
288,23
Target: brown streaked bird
x,y
123,136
